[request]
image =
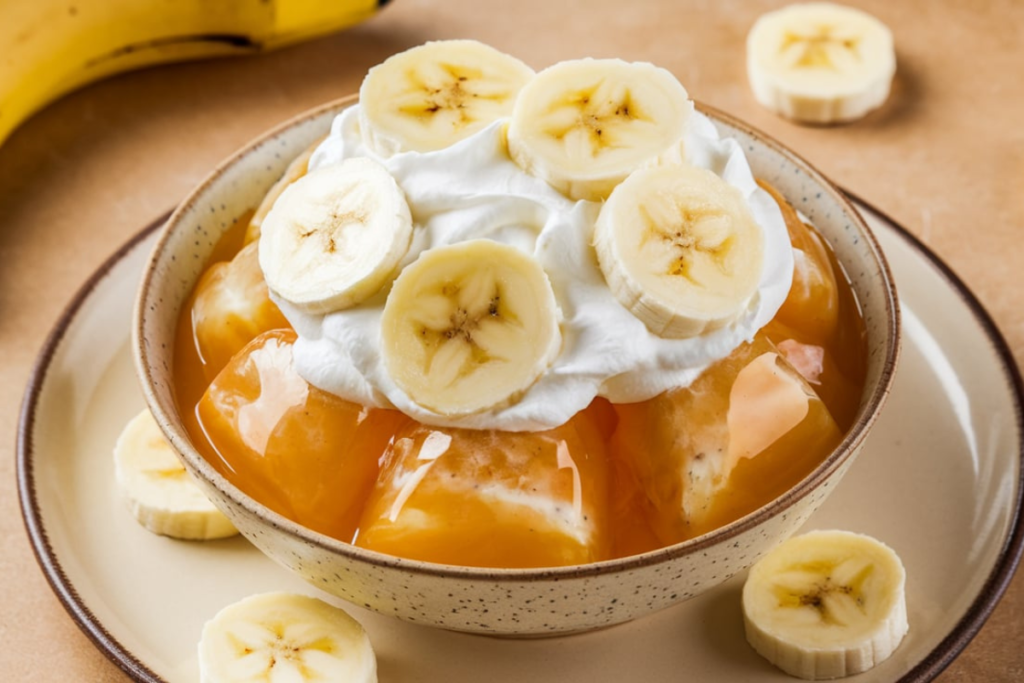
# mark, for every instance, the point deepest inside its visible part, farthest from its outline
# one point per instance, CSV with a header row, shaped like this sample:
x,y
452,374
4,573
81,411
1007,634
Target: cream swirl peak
x,y
473,190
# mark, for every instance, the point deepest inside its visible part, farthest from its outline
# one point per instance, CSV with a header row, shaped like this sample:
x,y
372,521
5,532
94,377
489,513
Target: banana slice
x,y
826,604
819,62
680,249
296,169
584,125
284,637
335,236
159,491
469,327
434,95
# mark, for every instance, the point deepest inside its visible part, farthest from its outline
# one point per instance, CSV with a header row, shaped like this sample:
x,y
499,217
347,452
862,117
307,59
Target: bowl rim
x,y
852,440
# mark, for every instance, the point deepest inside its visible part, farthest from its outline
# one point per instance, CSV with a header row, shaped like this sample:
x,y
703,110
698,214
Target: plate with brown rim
x,y
939,480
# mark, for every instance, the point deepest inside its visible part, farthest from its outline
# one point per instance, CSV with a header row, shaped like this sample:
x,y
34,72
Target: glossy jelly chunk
x,y
813,302
493,499
301,451
696,458
230,308
819,328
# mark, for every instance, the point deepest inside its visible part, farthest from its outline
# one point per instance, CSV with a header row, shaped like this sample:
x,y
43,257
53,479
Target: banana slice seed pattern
x,y
693,234
590,121
278,647
335,228
835,590
821,48
478,307
449,89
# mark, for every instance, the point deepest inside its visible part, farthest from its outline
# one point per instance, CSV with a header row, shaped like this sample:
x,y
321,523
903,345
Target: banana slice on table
x,y
434,95
335,236
826,604
469,327
296,169
584,125
159,491
820,62
284,637
679,249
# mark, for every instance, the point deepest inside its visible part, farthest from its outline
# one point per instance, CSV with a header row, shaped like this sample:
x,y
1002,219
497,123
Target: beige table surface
x,y
944,157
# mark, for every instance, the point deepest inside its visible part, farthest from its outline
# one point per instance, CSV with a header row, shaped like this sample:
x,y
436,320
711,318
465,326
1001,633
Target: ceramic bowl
x,y
512,602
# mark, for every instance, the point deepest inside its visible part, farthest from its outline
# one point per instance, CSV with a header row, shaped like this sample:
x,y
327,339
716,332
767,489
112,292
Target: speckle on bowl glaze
x,y
511,602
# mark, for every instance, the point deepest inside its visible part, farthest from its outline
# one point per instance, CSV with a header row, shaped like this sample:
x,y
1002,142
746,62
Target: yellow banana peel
x,y
51,47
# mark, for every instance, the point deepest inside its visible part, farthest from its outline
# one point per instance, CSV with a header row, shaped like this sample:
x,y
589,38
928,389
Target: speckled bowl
x,y
514,602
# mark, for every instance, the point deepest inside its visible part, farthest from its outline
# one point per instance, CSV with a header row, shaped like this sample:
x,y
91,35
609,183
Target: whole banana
x,y
51,47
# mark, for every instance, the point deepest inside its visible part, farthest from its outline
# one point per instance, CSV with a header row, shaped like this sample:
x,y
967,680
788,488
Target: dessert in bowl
x,y
497,419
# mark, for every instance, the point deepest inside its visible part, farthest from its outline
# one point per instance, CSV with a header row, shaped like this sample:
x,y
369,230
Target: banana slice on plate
x,y
284,637
820,62
826,604
335,236
434,95
679,249
469,327
159,491
584,125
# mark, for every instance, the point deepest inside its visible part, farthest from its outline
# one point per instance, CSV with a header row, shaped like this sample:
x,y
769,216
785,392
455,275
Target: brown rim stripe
x,y
47,559
1009,558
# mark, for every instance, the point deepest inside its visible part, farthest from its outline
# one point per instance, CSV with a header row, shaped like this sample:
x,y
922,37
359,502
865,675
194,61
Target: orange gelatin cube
x,y
694,459
493,499
812,306
301,451
230,308
819,328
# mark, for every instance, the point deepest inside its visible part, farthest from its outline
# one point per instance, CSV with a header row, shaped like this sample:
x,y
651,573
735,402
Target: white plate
x,y
939,480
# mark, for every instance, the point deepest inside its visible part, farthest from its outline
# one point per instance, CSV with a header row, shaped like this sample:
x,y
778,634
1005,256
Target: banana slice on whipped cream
x,y
470,327
335,236
584,125
679,249
433,95
298,167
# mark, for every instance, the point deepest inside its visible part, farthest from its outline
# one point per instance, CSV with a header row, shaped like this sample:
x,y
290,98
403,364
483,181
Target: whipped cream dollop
x,y
473,190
